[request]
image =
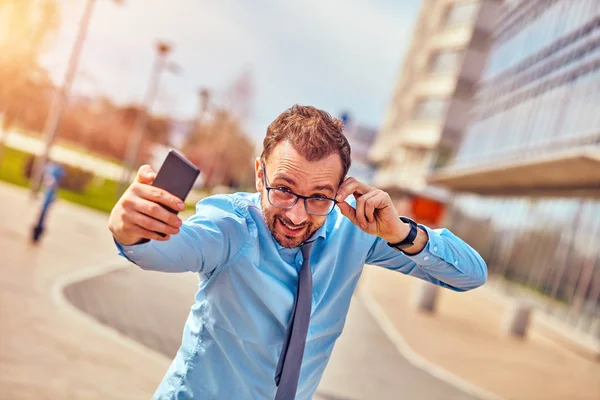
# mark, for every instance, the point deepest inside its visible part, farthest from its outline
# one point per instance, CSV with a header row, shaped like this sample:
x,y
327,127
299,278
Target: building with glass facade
x,y
427,114
527,173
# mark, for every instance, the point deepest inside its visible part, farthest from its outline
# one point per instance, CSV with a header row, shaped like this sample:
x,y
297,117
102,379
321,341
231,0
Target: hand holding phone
x,y
177,176
143,212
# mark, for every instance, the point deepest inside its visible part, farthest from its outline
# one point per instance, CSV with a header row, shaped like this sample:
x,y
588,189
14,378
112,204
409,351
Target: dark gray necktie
x,y
290,360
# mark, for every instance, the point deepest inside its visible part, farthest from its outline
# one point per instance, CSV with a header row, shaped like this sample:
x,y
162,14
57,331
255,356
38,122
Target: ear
x,y
258,174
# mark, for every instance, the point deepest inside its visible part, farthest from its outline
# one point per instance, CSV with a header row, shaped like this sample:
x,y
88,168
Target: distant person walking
x,y
53,175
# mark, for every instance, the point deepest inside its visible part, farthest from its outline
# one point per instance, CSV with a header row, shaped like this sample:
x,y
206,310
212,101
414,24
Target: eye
x,y
319,196
284,189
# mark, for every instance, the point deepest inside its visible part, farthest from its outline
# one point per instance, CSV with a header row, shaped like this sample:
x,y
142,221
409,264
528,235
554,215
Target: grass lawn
x,y
100,194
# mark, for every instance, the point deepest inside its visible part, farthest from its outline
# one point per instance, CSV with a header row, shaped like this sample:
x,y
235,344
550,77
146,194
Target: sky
x,y
338,55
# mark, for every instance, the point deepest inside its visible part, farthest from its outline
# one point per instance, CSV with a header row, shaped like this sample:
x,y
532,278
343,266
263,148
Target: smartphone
x,y
177,176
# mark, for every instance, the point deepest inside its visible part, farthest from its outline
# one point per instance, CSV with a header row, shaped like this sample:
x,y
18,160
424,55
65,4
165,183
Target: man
x,y
278,267
53,175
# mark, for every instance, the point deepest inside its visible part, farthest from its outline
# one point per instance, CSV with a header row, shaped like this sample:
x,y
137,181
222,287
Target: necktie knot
x,y
306,249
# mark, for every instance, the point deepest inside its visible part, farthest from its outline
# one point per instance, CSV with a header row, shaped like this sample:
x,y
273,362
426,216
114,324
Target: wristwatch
x,y
409,240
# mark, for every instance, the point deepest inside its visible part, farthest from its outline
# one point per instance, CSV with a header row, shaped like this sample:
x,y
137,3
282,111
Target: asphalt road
x,y
151,308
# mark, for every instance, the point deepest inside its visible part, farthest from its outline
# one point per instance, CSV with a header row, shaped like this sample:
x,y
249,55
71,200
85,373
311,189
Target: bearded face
x,y
288,175
283,229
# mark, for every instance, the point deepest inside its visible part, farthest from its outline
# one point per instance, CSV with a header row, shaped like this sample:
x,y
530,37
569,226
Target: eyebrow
x,y
293,183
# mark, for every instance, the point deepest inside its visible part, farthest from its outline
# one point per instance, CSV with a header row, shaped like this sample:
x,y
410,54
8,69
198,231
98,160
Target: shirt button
x,y
426,258
434,248
129,251
455,262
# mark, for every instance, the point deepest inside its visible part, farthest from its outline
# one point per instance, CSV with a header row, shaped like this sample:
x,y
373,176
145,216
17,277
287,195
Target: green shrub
x,y
99,193
74,180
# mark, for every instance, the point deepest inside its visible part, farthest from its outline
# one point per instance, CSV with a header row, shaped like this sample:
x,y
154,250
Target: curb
x,y
416,359
108,332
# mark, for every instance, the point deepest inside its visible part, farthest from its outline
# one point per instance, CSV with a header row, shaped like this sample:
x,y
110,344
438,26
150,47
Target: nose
x,y
297,214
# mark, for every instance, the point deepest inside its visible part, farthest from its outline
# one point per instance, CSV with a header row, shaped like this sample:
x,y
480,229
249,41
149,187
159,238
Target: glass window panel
x,y
571,20
483,139
539,125
511,128
559,105
529,110
466,144
545,123
579,10
596,100
526,45
563,25
553,18
533,118
461,13
572,102
492,65
430,109
587,108
515,139
445,61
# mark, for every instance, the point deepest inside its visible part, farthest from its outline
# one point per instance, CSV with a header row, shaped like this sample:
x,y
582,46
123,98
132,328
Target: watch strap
x,y
409,240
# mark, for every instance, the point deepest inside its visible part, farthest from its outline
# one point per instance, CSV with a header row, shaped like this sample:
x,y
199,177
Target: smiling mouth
x,y
292,228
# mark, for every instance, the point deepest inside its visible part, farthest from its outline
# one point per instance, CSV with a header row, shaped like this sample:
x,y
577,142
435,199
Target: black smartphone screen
x,y
176,175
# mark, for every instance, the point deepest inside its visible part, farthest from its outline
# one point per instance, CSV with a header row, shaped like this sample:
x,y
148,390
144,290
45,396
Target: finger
x,y
371,204
158,212
360,213
160,196
348,211
149,223
360,209
146,234
346,188
352,186
145,175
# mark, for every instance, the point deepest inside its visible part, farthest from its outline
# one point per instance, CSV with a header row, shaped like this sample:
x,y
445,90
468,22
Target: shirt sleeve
x,y
445,261
214,235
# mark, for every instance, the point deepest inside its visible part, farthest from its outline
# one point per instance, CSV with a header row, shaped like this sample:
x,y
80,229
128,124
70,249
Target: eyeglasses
x,y
286,199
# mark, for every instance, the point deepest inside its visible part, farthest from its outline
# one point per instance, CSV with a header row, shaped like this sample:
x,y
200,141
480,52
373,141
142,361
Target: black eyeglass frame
x,y
298,196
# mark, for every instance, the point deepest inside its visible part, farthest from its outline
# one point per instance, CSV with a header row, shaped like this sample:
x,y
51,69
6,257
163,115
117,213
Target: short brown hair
x,y
313,133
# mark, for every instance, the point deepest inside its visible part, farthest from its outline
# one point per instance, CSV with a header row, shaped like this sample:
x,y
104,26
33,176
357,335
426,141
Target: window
x,y
445,61
430,109
461,13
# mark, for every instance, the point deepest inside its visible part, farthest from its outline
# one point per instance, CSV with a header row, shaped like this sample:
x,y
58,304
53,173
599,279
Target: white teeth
x,y
289,227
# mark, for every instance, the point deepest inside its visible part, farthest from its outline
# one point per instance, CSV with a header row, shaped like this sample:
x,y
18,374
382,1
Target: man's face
x,y
286,169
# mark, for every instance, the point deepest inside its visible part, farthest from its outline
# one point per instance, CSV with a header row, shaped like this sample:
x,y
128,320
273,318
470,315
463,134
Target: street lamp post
x,y
204,95
135,141
60,101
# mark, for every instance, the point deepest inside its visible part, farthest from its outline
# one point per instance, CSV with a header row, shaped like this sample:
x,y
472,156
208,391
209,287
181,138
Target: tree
x,y
27,29
222,150
31,27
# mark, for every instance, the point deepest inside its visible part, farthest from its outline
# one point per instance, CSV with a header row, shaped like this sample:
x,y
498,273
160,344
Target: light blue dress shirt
x,y
236,328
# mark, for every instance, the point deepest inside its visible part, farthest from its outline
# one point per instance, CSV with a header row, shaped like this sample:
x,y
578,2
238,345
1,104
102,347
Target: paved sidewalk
x,y
46,350
466,339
